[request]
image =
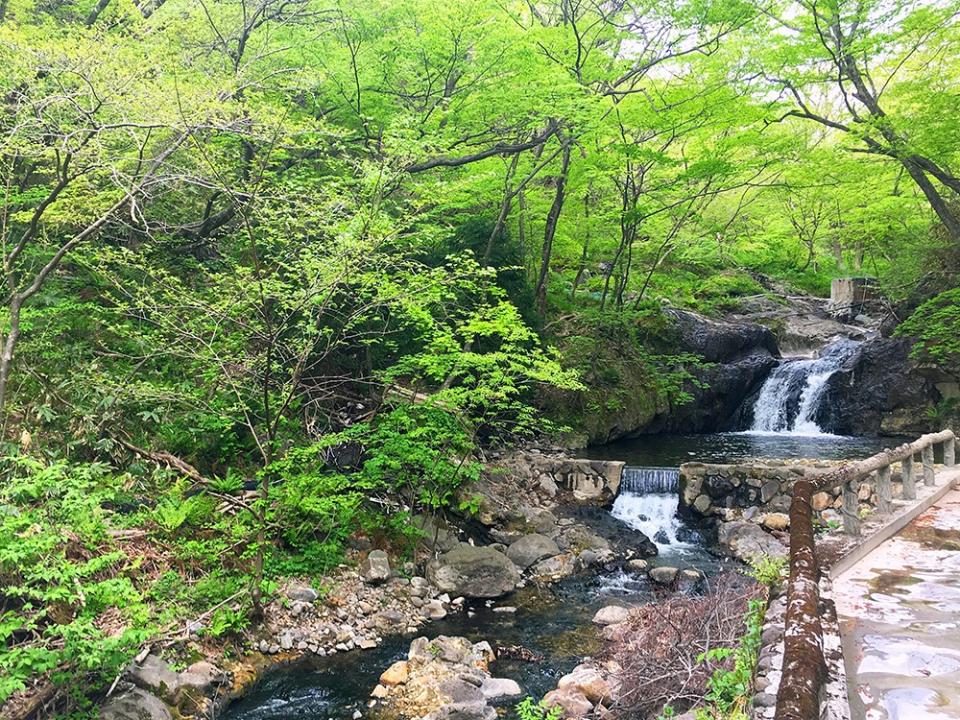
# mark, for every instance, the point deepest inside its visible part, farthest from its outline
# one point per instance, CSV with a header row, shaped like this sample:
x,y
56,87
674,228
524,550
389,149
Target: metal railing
x,y
804,668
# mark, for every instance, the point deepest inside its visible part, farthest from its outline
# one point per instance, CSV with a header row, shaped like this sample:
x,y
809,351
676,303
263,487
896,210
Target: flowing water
x,y
555,621
790,396
648,502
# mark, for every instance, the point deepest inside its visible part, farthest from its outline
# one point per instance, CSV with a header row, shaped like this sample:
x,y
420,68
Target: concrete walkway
x,y
899,612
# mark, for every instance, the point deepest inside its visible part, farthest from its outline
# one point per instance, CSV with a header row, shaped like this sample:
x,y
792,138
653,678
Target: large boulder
x,y
375,568
474,572
878,390
530,549
135,704
740,356
749,542
723,342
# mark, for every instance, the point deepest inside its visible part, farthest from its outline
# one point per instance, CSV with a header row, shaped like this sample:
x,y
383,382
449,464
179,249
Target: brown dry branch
x,y
661,646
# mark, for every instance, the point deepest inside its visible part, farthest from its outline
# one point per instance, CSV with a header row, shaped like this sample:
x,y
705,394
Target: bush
x,y
936,326
70,614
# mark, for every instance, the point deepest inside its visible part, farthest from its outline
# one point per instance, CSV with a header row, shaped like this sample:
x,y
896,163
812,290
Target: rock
x,y
611,615
702,504
396,674
769,490
764,700
474,572
588,558
375,568
749,542
435,610
821,501
204,677
549,486
463,711
135,704
555,568
497,689
776,521
419,586
663,575
388,620
531,548
637,565
573,702
590,683
879,390
156,675
380,691
301,593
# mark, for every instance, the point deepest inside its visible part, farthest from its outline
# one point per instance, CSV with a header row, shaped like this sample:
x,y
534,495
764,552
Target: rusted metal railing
x,y
804,669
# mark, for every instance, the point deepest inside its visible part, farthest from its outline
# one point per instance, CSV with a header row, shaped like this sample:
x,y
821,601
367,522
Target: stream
x,y
552,621
555,621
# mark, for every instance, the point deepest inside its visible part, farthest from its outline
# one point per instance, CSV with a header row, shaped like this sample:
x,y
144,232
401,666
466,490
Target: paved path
x,y
899,610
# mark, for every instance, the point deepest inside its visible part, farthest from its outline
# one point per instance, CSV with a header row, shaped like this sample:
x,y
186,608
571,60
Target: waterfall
x,y
645,480
648,502
790,397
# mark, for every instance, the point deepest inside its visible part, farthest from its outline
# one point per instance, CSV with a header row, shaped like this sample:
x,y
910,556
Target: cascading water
x,y
648,502
790,397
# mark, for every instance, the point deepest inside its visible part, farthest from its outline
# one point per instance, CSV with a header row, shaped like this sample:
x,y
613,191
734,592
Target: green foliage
x,y
730,689
530,709
768,570
936,327
62,578
721,292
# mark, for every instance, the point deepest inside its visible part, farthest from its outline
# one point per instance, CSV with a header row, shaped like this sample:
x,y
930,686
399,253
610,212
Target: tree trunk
x,y
939,205
550,230
6,357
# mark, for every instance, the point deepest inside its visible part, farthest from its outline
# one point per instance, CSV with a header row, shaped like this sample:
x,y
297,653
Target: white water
x,y
772,411
648,502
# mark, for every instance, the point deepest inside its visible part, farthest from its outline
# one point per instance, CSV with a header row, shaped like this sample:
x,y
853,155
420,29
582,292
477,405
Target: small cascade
x,y
648,502
790,397
646,480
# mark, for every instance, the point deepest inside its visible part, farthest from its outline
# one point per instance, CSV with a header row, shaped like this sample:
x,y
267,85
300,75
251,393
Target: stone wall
x,y
553,472
761,492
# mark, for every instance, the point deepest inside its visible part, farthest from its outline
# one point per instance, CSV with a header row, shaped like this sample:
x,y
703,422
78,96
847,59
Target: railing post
x,y
884,490
906,474
950,452
927,455
851,500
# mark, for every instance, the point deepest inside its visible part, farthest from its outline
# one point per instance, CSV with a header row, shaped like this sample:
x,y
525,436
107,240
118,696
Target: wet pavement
x,y
899,612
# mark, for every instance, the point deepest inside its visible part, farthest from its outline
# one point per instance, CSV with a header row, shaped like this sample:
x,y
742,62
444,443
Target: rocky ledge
x,y
446,678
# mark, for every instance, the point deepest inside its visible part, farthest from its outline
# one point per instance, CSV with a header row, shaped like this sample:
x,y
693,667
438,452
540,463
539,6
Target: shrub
x,y
69,615
936,326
